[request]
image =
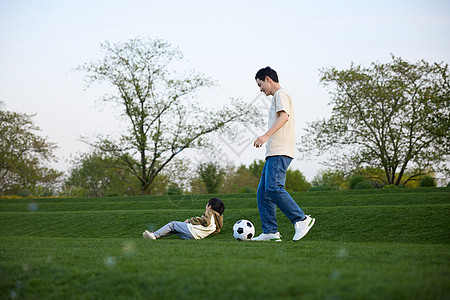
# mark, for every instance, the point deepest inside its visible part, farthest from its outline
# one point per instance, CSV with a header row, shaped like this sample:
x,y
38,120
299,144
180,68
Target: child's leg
x,y
179,228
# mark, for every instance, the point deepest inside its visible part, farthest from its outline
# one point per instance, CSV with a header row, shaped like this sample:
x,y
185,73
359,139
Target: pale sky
x,y
42,41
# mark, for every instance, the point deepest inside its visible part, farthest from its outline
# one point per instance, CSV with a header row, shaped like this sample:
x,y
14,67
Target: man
x,y
280,148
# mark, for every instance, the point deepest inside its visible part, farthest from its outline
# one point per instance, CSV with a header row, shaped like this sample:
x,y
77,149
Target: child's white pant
x,y
179,228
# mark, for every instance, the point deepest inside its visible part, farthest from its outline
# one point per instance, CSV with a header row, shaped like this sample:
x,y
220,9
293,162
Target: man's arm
x,y
282,119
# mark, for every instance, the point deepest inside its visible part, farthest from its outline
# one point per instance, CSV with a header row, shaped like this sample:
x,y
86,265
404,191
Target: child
x,y
193,228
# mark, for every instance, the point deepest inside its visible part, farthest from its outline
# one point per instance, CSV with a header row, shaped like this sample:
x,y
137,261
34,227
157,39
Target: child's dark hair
x,y
217,205
267,71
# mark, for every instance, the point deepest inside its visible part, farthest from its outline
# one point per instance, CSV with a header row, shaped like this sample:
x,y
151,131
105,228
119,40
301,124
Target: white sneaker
x,y
273,237
149,235
302,228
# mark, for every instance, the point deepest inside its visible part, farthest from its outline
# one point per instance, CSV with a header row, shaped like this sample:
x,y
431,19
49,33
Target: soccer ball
x,y
243,230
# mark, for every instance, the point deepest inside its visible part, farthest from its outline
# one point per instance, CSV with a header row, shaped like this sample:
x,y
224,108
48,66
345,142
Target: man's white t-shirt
x,y
282,142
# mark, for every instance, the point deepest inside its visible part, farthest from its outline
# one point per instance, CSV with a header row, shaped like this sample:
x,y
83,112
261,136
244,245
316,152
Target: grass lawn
x,y
375,244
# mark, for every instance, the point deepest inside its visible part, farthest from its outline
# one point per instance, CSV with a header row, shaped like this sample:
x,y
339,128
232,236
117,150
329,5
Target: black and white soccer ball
x,y
243,230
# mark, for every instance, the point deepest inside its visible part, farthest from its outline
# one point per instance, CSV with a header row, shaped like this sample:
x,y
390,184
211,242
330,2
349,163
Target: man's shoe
x,y
272,237
302,228
149,235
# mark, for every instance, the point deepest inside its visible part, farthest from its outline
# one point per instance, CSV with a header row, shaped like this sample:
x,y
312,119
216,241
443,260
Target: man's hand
x,y
186,221
283,117
260,141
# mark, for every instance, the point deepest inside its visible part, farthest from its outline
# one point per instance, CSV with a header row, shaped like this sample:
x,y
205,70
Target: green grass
x,y
376,244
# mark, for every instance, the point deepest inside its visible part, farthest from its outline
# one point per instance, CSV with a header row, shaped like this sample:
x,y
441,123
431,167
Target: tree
x,y
157,105
212,176
247,179
427,181
239,180
197,186
24,155
256,168
98,175
333,179
355,180
179,174
295,181
394,116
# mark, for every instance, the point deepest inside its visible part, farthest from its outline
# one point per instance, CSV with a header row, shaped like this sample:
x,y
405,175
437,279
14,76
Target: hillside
x,y
365,244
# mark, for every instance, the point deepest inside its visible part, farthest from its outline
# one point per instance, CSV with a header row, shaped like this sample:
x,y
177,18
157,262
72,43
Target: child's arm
x,y
198,221
203,220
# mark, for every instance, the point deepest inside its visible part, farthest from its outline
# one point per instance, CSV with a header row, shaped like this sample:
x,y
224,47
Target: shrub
x,y
332,178
390,186
377,184
363,185
427,181
42,191
23,193
74,191
322,188
174,190
246,190
354,180
113,194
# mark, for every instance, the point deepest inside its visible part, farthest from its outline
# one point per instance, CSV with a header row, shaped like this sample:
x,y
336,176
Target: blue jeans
x,y
271,193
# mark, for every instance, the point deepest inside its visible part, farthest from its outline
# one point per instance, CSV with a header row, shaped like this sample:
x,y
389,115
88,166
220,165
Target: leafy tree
x,y
334,179
179,174
157,104
247,179
24,155
256,168
174,189
197,186
375,176
357,179
212,176
394,116
240,180
295,181
427,181
98,175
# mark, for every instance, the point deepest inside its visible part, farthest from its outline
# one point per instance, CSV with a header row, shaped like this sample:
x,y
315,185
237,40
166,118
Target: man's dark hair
x,y
217,205
267,71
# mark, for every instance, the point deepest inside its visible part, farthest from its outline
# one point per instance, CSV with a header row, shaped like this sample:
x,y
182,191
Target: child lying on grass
x,y
194,228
